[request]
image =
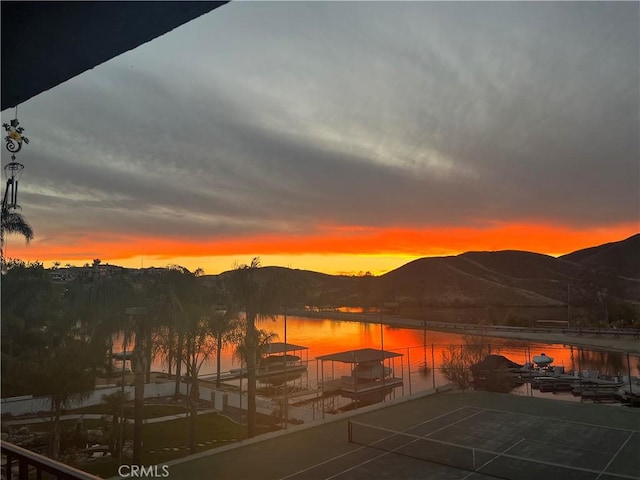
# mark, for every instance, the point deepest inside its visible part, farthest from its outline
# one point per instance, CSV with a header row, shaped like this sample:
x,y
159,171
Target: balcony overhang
x,y
46,43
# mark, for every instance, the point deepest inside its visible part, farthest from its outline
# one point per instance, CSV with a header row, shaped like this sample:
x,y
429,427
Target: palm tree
x,y
184,322
200,347
183,329
45,356
65,376
138,318
173,291
259,298
97,306
13,222
30,309
114,406
265,338
224,326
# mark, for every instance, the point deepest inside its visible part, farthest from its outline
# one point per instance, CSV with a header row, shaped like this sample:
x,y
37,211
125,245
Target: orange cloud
x,y
327,240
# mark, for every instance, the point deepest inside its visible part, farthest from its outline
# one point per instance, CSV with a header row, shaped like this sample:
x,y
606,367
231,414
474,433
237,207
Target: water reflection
x,y
421,351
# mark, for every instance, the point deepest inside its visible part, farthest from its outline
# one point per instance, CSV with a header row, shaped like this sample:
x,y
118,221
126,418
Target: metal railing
x,y
33,465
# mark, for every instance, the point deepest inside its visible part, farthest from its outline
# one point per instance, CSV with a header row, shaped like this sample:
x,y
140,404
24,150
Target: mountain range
x,y
505,278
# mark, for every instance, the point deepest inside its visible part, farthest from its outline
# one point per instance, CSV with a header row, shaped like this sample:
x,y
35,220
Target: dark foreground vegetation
x,y
59,324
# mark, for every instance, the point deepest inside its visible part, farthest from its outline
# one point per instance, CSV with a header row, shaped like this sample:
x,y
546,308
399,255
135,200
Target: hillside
x,y
458,281
509,278
319,288
622,256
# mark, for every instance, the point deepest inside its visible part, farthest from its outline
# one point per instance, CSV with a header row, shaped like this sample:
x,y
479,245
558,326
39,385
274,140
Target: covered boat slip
x,y
280,356
371,372
279,359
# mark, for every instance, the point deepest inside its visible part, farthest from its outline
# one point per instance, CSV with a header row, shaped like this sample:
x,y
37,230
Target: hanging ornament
x,y
13,169
14,137
13,172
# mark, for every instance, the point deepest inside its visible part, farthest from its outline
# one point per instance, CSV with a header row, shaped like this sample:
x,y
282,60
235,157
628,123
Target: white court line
x,y
499,455
560,420
400,446
615,455
362,448
365,462
503,454
551,464
543,442
631,433
450,425
571,422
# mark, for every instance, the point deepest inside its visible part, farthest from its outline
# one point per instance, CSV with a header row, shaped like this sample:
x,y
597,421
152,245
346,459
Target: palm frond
x,y
13,222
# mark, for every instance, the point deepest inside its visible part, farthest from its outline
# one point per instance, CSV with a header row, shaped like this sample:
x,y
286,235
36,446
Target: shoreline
x,y
608,341
611,343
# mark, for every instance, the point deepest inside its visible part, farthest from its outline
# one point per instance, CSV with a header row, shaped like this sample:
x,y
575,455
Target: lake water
x,y
324,336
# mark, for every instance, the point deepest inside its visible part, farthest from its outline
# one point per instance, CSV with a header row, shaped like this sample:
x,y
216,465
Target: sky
x,y
342,137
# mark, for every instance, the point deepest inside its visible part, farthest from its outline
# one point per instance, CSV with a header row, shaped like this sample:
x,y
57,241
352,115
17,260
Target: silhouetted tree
x,y
114,406
458,359
64,375
30,309
96,306
259,298
200,347
224,327
173,291
14,222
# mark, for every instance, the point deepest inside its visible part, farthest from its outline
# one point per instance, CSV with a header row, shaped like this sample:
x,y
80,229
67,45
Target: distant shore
x,y
608,341
611,343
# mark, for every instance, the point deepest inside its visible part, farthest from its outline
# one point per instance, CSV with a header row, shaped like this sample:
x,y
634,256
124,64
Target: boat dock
x,y
371,377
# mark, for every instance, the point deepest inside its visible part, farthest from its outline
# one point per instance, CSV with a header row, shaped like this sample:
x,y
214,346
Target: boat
x,y
276,362
279,360
629,392
562,383
543,360
599,396
596,383
554,379
369,373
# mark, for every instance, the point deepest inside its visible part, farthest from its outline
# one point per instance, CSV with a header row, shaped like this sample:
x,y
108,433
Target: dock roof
x,y
281,347
361,355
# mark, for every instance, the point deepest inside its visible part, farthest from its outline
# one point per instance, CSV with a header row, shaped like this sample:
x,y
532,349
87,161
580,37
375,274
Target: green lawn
x,y
166,441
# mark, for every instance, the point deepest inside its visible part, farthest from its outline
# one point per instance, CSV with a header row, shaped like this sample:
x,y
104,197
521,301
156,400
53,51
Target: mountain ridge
x,y
476,278
622,256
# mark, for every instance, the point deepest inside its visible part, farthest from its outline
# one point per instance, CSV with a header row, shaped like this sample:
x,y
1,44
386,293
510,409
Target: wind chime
x,y
13,171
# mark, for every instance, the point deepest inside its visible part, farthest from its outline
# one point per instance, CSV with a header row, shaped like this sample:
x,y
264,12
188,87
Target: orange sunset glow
x,y
322,163
320,239
324,337
333,250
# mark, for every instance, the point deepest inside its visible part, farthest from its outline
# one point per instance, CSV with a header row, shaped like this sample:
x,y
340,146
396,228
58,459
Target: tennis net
x,y
500,465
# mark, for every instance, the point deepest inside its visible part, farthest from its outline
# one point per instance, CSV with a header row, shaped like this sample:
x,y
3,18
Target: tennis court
x,y
508,445
445,436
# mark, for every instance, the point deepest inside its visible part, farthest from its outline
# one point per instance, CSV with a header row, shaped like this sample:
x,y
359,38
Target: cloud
x,y
281,118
